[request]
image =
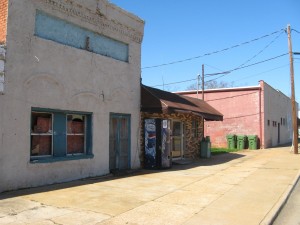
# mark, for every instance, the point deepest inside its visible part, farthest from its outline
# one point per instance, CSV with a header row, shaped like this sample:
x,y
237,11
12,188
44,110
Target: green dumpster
x,y
205,148
241,141
231,141
252,140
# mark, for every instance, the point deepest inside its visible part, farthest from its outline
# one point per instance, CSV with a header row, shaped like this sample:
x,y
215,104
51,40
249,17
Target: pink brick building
x,y
255,110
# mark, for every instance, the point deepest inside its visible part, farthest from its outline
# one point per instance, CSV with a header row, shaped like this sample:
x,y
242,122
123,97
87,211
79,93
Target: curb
x,y
273,213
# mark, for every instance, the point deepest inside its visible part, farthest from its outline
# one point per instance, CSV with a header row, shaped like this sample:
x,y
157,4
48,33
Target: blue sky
x,y
177,30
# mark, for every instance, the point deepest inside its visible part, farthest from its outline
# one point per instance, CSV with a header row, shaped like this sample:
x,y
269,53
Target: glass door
x,y
177,139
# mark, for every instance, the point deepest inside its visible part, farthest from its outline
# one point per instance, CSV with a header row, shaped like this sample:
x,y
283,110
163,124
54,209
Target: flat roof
x,y
220,89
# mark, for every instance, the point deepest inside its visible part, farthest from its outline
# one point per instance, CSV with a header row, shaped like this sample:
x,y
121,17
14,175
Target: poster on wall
x,y
150,143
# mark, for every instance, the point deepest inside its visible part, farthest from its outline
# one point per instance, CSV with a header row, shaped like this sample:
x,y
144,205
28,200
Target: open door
x,y
278,141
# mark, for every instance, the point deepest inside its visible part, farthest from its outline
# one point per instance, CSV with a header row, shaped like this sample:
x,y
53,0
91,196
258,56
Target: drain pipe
x,y
260,116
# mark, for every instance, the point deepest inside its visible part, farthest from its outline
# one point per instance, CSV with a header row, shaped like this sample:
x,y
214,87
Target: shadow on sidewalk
x,y
191,163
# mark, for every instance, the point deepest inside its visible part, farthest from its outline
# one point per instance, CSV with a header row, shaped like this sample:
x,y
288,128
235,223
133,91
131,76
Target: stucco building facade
x,y
69,84
254,110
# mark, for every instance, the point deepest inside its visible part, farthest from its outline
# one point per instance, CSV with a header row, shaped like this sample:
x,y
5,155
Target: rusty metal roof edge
x,y
155,96
165,108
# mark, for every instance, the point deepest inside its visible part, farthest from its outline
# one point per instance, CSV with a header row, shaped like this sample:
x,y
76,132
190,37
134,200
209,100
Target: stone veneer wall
x,y
3,20
191,144
49,76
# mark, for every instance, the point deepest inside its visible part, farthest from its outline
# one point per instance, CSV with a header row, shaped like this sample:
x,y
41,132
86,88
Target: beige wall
x,y
42,73
277,107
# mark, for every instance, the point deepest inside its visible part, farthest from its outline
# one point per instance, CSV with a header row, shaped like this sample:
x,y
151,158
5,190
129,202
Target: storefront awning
x,y
157,101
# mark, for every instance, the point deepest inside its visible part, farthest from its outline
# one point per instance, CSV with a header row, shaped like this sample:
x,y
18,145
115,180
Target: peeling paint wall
x,y
241,115
63,32
41,73
259,110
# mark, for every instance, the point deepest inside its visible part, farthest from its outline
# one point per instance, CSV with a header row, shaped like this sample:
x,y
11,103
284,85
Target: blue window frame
x,y
58,134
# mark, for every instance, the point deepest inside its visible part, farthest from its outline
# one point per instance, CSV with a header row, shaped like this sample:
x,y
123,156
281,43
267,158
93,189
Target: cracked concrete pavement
x,y
247,187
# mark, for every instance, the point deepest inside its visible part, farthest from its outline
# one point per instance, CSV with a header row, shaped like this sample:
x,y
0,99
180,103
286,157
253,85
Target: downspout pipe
x,y
260,117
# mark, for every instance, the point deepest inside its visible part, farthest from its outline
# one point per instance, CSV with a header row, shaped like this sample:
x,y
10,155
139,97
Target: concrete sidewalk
x,y
247,187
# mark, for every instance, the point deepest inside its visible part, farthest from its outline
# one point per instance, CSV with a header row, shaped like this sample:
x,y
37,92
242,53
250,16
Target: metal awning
x,y
157,101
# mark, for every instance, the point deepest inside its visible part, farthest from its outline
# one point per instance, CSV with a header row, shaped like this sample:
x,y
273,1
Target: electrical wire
x,y
296,31
222,74
242,67
263,49
252,75
215,52
214,79
213,67
231,97
184,81
279,67
268,45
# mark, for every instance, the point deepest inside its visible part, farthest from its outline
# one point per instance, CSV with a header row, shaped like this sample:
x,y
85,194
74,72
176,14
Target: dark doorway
x,y
278,133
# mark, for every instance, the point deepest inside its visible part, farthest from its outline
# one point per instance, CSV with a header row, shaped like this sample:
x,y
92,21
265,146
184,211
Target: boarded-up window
x,y
56,133
63,32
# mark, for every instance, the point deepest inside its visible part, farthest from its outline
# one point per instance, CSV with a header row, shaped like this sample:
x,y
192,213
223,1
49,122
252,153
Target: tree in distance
x,y
211,85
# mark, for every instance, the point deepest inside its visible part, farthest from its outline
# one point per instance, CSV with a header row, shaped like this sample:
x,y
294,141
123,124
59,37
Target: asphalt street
x,y
290,213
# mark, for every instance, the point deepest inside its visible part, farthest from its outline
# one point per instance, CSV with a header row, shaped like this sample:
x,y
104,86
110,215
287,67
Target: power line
x,y
253,74
263,49
178,82
242,67
213,67
296,31
214,78
222,74
276,68
215,52
268,45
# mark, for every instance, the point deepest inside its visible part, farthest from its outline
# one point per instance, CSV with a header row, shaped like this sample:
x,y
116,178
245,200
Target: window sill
x,y
60,159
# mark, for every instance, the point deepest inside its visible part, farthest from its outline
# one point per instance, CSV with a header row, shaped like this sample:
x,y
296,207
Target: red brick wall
x,y
241,114
3,20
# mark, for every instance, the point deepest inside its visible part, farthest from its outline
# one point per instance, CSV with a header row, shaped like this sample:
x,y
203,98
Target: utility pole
x,y
203,97
198,84
203,82
294,113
